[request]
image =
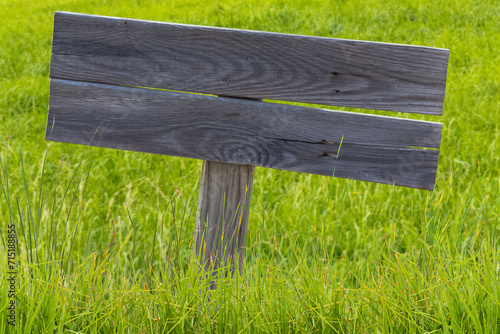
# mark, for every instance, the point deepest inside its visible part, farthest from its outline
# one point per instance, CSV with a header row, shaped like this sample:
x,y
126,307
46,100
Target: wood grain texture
x,y
249,64
237,131
222,216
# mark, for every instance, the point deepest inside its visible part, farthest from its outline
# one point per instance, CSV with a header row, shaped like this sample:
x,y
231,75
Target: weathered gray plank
x,y
249,64
245,132
267,120
222,216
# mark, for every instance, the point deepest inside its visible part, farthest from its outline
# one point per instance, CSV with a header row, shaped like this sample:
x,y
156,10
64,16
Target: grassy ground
x,y
105,237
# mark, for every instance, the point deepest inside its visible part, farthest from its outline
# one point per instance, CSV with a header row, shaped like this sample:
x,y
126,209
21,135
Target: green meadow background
x,y
105,237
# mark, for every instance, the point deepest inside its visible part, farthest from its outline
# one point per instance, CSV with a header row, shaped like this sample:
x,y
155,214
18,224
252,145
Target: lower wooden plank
x,y
245,132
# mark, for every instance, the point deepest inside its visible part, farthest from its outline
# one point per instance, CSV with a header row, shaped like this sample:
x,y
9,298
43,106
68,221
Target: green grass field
x,y
106,237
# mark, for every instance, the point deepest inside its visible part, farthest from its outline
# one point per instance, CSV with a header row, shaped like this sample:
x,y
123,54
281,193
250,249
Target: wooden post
x,y
222,215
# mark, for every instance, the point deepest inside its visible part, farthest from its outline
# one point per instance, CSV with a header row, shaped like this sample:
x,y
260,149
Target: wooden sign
x,y
104,69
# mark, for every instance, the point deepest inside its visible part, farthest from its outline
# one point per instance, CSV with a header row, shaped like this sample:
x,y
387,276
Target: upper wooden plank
x,y
250,64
